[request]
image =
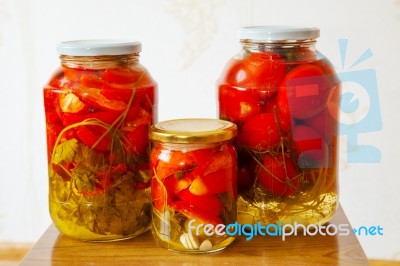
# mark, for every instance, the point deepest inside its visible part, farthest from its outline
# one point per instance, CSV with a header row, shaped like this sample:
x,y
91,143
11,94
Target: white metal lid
x,y
98,47
278,33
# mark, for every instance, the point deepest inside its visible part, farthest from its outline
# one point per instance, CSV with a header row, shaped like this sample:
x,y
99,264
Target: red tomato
x,y
263,70
306,88
234,73
310,147
246,171
278,176
267,70
325,124
260,132
303,54
279,105
245,178
237,105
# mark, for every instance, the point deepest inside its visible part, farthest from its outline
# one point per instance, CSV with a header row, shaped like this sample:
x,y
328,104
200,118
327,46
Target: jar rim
x,y
278,33
193,130
98,47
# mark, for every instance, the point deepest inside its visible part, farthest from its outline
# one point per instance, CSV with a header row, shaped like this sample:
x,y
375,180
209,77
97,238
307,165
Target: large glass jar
x,y
194,188
284,96
99,105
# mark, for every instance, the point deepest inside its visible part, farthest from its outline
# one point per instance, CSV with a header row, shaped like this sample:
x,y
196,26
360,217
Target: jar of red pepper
x,y
99,106
284,96
194,188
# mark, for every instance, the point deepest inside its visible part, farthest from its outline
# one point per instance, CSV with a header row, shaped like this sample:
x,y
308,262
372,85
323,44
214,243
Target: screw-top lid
x,y
98,47
193,130
278,33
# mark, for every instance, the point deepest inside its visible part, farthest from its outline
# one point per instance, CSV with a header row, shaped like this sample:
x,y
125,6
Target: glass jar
x,y
284,96
193,187
99,106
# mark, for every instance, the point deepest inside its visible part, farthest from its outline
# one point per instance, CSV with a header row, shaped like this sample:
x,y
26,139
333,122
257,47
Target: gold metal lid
x,y
193,130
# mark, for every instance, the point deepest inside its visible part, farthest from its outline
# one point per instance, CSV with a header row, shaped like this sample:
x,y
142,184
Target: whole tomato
x,y
278,176
260,132
262,70
238,105
310,146
306,90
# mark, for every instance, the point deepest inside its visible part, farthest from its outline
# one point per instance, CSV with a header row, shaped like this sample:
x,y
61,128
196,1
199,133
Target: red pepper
x,y
91,81
158,194
138,139
209,203
194,212
94,97
106,116
171,162
90,135
121,75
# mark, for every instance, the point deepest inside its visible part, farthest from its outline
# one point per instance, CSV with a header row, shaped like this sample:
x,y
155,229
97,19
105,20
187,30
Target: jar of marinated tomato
x,y
284,96
194,188
99,106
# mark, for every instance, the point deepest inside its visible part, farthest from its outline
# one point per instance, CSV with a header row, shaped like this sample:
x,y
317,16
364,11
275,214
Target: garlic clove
x,y
206,245
194,240
184,241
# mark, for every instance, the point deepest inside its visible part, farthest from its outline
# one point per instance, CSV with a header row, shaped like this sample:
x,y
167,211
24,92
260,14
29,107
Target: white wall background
x,y
185,46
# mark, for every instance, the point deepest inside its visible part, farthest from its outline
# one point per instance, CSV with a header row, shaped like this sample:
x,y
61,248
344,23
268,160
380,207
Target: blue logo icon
x,y
359,107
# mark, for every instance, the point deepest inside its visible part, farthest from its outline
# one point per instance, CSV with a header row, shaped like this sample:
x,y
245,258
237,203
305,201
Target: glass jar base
x,y
82,234
101,223
179,248
317,211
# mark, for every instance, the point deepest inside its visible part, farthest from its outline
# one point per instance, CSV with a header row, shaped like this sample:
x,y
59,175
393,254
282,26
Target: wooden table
x,y
55,249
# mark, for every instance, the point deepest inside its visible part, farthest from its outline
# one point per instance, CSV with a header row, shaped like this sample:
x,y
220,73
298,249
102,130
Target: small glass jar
x,y
284,96
99,106
194,188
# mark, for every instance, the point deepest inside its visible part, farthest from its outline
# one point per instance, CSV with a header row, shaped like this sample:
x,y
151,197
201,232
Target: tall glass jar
x,y
99,106
284,96
194,188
